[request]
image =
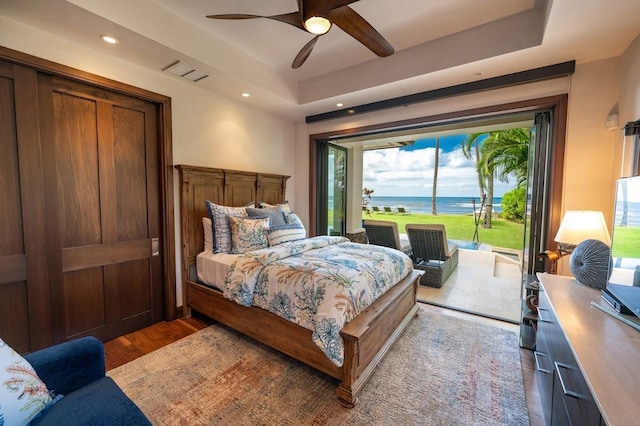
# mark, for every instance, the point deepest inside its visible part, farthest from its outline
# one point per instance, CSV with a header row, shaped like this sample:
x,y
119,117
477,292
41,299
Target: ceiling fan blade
x,y
320,7
292,18
357,27
304,53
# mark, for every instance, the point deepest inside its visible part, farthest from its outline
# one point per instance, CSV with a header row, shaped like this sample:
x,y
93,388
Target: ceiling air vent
x,y
186,71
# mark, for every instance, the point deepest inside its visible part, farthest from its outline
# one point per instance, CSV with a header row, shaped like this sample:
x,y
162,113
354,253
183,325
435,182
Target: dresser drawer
x,y
567,391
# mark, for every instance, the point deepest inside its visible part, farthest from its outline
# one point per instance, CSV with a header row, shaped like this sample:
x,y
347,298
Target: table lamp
x,y
576,227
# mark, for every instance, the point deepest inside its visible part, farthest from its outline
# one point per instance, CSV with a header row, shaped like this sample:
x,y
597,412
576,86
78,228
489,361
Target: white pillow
x,y
248,234
22,393
208,234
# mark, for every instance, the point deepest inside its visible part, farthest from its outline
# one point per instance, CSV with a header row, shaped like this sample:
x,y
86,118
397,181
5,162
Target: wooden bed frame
x,y
367,338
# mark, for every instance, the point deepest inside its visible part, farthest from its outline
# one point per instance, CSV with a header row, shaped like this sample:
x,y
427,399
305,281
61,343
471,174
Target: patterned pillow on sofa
x,y
22,393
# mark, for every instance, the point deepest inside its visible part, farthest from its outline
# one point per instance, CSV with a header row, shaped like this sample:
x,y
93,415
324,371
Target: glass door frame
x,y
325,190
553,185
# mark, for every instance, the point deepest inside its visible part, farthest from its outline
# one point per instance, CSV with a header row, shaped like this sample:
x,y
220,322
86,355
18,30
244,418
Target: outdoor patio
x,y
485,283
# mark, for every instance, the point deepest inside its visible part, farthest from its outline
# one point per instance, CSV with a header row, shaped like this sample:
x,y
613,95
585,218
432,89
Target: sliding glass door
x,y
332,189
539,173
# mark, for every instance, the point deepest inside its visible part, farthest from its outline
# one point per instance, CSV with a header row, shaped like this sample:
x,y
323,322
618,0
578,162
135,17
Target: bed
x,y
367,337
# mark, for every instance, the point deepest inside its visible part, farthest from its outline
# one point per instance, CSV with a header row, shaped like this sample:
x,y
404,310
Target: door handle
x,y
155,247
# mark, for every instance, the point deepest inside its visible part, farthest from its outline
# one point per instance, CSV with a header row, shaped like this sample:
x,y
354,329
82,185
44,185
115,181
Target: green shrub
x,y
513,205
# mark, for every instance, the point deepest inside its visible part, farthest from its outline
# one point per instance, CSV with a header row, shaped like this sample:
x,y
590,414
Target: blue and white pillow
x,y
292,219
285,233
219,216
22,393
248,234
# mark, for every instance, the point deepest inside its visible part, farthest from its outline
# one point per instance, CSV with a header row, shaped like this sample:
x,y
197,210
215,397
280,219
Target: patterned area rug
x,y
442,371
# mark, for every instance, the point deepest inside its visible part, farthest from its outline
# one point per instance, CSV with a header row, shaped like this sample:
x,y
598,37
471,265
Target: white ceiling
x,y
437,43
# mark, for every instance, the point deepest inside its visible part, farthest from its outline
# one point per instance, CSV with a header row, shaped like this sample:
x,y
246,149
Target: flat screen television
x,y
624,281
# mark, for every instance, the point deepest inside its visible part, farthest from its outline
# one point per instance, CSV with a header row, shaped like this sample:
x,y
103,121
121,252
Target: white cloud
x,y
395,172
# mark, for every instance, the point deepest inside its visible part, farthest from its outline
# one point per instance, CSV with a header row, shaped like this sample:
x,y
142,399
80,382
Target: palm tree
x,y
434,210
472,141
503,153
507,152
485,182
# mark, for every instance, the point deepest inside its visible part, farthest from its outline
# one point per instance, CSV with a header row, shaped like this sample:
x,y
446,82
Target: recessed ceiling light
x,y
245,95
109,39
339,104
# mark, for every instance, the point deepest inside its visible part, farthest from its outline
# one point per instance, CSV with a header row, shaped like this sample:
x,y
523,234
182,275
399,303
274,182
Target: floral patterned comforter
x,y
320,283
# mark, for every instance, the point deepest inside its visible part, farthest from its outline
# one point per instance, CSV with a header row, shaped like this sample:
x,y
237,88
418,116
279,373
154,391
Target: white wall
x,y
629,100
208,130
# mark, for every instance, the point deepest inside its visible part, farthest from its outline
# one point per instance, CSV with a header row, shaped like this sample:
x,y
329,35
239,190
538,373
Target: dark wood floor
x,y
134,345
126,348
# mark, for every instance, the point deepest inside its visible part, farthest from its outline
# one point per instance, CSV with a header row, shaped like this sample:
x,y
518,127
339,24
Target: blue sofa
x,y
76,370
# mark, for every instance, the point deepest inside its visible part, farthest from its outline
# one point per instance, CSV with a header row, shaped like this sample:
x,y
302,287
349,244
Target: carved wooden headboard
x,y
225,187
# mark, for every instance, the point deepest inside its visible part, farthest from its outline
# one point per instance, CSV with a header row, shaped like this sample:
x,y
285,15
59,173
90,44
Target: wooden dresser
x,y
588,363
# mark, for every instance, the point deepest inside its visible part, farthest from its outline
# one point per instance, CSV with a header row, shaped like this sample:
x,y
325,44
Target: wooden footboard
x,y
367,338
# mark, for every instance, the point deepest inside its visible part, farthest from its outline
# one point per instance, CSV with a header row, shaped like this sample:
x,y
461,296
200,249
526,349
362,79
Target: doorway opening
x,y
544,117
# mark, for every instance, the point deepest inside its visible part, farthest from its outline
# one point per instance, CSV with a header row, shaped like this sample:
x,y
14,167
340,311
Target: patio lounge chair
x,y
375,209
403,210
388,210
385,233
432,253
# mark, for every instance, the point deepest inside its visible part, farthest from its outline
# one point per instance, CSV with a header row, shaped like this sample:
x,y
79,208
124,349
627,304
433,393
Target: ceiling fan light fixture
x,y
317,25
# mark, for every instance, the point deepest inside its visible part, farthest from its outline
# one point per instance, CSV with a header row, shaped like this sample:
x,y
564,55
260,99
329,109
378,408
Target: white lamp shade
x,y
580,225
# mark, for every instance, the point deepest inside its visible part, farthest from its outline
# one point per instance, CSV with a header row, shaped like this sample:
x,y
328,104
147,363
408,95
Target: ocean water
x,y
444,205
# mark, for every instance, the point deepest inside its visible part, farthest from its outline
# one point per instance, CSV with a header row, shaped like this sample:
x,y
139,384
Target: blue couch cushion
x,y
99,403
70,365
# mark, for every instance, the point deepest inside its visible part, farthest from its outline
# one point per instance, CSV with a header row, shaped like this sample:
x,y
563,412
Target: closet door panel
x,y
14,317
107,203
84,297
131,185
77,180
134,297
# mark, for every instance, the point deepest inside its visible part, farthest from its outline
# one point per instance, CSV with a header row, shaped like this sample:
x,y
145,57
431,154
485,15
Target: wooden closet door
x,y
102,197
24,287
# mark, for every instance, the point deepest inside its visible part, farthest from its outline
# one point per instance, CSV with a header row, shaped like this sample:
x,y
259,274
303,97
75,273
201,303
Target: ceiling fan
x,y
317,16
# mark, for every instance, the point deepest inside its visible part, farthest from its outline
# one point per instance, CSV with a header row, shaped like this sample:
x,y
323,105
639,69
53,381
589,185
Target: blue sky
x,y
408,171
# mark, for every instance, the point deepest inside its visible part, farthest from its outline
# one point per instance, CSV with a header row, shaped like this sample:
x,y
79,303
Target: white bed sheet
x,y
212,267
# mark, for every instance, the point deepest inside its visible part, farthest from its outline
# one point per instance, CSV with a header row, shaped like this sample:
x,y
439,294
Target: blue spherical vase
x,y
590,263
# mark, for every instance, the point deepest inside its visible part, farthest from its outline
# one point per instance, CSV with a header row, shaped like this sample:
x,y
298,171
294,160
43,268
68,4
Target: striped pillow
x,y
282,234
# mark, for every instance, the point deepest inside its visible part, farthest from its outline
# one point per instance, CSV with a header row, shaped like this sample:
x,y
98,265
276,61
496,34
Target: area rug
x,y
442,371
480,285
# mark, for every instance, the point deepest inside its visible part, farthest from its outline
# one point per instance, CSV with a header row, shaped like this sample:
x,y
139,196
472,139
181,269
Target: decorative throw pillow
x,y
220,218
22,393
276,217
292,219
248,234
284,207
282,234
208,234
